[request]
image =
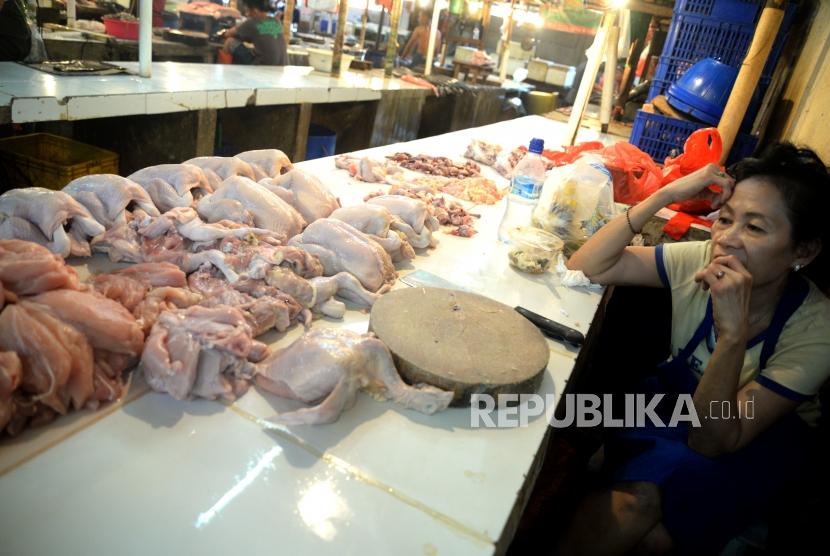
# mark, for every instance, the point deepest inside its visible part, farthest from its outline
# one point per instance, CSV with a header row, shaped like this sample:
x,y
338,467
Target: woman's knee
x,y
641,498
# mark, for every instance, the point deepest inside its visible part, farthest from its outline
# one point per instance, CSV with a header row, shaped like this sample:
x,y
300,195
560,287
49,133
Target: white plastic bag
x,y
576,201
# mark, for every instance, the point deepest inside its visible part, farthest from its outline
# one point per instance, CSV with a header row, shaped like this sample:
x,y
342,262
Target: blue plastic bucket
x,y
321,142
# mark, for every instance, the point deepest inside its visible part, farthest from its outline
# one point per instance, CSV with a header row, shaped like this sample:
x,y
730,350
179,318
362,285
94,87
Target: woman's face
x,y
755,228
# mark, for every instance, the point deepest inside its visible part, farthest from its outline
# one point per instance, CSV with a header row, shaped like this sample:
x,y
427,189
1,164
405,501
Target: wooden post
x,y
301,138
364,21
505,50
610,78
287,17
485,17
750,72
380,27
433,32
337,57
583,94
392,44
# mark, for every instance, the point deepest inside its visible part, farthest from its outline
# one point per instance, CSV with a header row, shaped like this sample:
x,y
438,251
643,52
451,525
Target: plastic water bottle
x,y
525,186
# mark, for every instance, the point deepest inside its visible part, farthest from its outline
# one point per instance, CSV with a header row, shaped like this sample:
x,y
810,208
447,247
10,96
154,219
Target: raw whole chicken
x,y
201,351
108,196
49,211
267,163
304,192
342,248
219,168
367,169
327,367
28,269
10,373
172,185
238,195
375,221
415,220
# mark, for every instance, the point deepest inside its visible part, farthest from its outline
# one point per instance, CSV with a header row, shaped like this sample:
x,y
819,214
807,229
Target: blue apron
x,y
707,501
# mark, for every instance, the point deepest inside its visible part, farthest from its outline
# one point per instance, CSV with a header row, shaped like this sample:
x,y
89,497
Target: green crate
x,y
51,161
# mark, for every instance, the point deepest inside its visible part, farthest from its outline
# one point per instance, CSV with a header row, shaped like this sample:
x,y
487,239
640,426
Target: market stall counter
x,y
153,474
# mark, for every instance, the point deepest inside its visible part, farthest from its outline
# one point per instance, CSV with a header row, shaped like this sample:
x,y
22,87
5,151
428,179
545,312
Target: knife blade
x,y
548,327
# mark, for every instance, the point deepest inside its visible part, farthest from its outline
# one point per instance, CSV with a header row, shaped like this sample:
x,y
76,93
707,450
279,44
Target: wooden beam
x,y
392,44
301,138
648,8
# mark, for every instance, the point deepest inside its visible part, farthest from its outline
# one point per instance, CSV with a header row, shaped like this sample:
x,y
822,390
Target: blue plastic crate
x,y
661,137
734,11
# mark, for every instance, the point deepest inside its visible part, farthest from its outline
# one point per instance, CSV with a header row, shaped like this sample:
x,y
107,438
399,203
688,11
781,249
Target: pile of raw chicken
x,y
223,249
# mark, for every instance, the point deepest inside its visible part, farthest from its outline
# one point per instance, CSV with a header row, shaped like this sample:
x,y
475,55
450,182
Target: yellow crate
x,y
51,161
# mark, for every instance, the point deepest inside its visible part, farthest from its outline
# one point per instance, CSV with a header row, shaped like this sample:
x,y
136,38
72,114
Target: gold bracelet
x,y
628,219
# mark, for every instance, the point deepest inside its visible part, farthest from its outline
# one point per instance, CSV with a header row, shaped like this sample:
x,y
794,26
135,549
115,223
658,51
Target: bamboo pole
x,y
505,47
583,94
750,73
287,18
364,21
392,44
337,57
433,33
609,79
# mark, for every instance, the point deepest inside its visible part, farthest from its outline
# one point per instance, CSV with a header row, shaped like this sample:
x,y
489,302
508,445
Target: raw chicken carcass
x,y
342,248
56,359
304,192
238,195
50,211
10,373
267,163
482,151
376,221
106,323
219,168
367,169
201,351
318,293
155,274
264,307
172,185
107,196
27,269
415,220
161,299
327,367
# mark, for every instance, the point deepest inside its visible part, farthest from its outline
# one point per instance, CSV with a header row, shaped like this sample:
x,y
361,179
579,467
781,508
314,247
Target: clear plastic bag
x,y
576,201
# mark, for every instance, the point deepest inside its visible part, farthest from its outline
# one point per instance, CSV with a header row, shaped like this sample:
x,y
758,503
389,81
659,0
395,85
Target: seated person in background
x,y
749,331
15,36
264,32
418,43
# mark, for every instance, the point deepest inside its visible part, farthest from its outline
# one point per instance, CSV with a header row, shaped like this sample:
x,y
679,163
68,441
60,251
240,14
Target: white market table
x,y
154,475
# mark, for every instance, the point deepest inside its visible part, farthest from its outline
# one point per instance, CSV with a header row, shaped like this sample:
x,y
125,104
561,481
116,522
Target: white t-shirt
x,y
800,364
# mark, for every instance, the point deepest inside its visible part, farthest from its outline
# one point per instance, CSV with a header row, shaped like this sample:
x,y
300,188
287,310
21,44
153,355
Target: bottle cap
x,y
536,145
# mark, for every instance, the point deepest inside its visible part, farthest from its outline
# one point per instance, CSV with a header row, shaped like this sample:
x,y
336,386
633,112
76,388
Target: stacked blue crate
x,y
720,29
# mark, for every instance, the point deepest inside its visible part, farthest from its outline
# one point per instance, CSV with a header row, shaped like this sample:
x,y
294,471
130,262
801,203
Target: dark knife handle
x,y
553,329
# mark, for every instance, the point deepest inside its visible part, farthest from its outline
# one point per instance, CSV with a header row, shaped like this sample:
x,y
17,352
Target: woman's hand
x,y
696,186
731,286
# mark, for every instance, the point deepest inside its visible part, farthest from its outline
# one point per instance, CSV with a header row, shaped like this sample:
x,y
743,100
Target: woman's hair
x,y
804,183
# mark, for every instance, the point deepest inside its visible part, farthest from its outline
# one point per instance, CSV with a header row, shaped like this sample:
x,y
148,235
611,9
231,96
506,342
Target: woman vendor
x,y
749,329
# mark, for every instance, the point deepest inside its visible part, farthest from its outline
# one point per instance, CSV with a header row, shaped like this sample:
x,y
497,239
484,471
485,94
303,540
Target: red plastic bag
x,y
635,174
569,154
703,147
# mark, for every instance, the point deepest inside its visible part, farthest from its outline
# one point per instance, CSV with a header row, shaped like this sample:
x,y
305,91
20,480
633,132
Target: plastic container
x,y
51,161
321,142
533,250
121,29
320,59
661,136
525,187
702,91
734,11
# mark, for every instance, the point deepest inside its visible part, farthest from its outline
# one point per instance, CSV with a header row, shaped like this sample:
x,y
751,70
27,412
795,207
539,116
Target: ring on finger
x,y
720,274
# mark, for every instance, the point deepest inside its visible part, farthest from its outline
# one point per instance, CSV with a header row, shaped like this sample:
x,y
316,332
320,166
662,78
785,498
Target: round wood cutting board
x,y
460,341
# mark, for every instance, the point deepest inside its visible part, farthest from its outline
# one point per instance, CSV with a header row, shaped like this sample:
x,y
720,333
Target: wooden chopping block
x,y
461,342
